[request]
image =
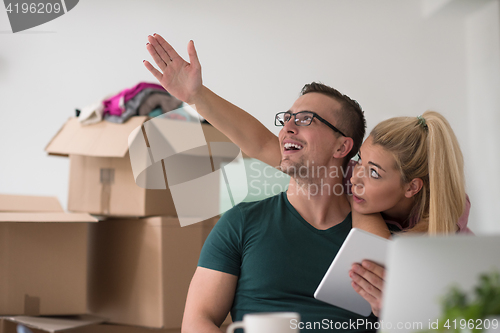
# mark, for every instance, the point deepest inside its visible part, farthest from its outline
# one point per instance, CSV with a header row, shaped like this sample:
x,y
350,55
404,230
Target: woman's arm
x,y
183,80
373,223
368,277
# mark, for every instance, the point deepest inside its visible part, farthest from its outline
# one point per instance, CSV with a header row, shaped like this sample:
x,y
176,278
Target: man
x,y
271,255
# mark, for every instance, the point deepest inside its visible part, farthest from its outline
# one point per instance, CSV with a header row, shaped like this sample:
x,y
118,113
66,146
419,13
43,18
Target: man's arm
x,y
183,80
209,300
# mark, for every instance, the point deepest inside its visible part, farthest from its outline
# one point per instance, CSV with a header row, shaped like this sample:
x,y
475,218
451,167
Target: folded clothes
x,y
116,104
177,114
155,113
154,100
91,114
131,106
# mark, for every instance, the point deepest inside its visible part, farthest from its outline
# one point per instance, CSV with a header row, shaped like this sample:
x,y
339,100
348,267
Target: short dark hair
x,y
351,118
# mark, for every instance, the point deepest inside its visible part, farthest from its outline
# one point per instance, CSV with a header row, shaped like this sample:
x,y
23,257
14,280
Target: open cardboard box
x,y
43,257
50,324
141,269
80,324
102,181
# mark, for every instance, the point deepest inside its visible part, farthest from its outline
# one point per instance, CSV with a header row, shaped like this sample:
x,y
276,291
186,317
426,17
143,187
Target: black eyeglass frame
x,y
314,115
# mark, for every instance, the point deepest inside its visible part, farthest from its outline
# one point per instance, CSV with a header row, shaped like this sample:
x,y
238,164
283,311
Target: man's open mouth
x,y
292,146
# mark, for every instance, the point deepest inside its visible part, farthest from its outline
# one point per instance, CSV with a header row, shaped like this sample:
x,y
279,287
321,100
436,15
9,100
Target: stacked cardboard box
x,y
141,269
43,257
140,260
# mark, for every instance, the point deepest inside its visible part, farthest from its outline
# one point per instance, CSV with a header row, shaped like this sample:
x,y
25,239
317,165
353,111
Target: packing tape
x,y
107,179
31,305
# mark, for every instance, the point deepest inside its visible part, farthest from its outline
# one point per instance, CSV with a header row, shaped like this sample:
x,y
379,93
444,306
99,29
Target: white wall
x,y
483,91
258,54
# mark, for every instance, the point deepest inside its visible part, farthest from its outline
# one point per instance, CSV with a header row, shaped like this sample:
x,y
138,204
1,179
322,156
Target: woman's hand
x,y
368,281
178,77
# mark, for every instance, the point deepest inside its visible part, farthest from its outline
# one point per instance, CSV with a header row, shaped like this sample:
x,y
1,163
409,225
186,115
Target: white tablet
x,y
335,288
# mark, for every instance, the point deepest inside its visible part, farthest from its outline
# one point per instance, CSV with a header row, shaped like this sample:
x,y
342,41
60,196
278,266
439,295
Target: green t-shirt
x,y
280,260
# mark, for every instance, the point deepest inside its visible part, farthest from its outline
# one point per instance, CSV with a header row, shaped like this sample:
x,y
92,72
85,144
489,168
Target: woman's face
x,y
376,183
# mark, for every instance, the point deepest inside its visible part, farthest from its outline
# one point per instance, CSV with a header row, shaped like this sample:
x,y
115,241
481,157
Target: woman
x,y
416,175
423,155
410,170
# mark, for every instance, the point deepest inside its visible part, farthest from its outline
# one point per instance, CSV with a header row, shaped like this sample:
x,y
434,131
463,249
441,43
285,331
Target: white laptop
x,y
420,271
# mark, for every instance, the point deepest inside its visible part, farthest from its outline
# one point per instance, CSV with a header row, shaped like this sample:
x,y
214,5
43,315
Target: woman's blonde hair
x,y
425,147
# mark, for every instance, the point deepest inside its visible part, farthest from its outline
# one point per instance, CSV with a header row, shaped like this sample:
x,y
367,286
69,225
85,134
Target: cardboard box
x,y
49,324
141,269
80,324
43,257
102,181
109,328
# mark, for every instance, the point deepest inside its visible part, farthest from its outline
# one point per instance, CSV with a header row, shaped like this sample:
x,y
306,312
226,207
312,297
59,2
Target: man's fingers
x,y
160,50
374,268
193,55
167,47
156,73
156,57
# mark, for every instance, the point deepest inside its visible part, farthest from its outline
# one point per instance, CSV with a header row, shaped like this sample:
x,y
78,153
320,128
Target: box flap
x,y
104,139
166,137
56,324
26,203
214,135
46,217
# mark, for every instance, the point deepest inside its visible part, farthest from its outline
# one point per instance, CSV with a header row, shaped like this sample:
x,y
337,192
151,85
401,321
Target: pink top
x,y
462,221
116,105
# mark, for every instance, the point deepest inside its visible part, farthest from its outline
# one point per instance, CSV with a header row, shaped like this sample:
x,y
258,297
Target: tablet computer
x,y
335,288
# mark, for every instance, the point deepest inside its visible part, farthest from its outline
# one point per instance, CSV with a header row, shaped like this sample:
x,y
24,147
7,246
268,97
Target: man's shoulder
x,y
255,210
259,204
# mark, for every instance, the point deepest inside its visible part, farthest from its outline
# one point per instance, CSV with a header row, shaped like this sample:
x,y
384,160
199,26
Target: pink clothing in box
x,y
116,104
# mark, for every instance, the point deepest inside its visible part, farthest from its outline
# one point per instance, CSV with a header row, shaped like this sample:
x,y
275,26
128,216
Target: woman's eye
x,y
374,174
359,160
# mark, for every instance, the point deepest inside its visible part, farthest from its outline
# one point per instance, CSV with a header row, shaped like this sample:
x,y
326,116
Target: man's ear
x,y
413,187
344,148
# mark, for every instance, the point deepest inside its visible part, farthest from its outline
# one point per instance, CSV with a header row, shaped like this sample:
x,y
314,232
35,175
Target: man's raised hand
x,y
178,77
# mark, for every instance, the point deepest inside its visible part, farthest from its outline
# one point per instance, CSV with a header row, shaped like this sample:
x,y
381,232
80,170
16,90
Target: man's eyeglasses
x,y
302,118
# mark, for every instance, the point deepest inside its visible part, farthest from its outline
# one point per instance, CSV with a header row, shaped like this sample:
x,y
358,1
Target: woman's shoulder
x,y
464,219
